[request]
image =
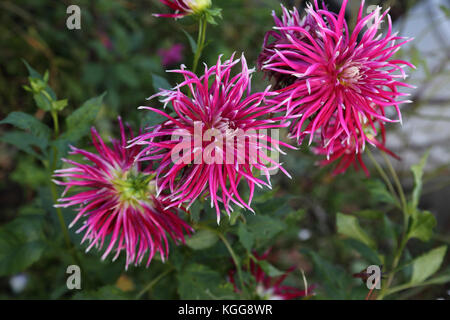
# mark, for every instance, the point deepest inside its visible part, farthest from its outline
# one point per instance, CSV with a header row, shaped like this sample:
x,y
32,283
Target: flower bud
x,y
199,6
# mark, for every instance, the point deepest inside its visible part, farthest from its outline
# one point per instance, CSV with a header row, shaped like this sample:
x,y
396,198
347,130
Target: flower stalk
x,y
64,229
202,24
236,262
402,204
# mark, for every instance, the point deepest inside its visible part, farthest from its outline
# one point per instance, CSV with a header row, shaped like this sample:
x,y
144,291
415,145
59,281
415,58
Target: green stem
x,y
153,283
397,256
233,255
64,229
404,207
200,41
384,176
398,185
235,260
55,123
61,218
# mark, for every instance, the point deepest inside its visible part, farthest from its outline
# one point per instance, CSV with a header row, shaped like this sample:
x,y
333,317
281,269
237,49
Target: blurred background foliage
x,y
116,51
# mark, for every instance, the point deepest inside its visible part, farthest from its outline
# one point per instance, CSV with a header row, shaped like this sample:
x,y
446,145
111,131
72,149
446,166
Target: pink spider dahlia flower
x,y
267,287
334,79
118,203
219,128
183,8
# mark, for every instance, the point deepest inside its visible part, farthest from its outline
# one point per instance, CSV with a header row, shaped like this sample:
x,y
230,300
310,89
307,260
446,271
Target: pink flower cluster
x,y
336,87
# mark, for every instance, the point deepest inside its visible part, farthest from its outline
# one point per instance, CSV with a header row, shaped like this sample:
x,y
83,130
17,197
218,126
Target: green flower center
x,y
133,186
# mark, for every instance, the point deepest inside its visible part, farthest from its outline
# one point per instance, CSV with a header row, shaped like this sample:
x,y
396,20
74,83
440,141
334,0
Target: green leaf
x,y
295,216
43,94
445,10
349,226
379,192
245,237
211,13
23,141
33,73
25,121
264,228
21,173
422,225
127,75
202,239
417,58
278,205
334,279
197,281
195,209
42,101
160,83
365,251
149,118
79,122
417,171
269,269
59,104
388,232
21,244
369,214
234,216
427,264
439,279
191,40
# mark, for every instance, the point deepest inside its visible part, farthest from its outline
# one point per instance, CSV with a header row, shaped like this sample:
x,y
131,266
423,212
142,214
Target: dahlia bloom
x,y
184,7
267,287
118,203
219,128
334,79
343,152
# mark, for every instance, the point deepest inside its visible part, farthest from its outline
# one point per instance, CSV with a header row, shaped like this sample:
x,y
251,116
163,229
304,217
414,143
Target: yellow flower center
x,y
198,6
349,75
